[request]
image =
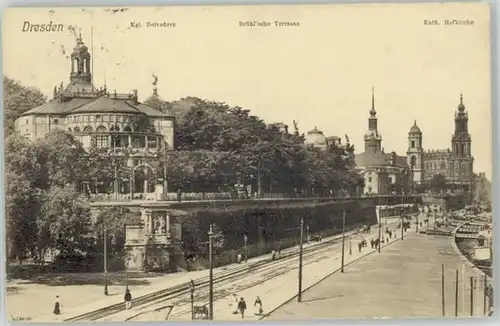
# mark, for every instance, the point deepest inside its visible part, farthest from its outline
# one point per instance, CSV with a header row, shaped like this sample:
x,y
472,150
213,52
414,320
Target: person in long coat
x,y
57,306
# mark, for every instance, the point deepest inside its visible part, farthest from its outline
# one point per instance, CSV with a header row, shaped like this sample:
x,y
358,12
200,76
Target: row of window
x,y
115,128
84,118
123,141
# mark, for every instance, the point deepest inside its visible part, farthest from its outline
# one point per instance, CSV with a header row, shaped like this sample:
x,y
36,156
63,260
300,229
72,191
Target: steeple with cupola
x,y
373,139
415,153
461,139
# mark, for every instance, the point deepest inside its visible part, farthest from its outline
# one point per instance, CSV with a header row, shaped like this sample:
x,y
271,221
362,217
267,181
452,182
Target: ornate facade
x,y
455,164
100,118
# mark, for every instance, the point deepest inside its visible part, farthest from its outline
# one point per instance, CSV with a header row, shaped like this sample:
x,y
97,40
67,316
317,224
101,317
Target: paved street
x,y
403,281
90,297
274,284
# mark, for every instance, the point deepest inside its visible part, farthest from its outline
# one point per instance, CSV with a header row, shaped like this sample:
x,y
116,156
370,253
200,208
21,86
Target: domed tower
x,y
316,138
415,153
373,139
80,63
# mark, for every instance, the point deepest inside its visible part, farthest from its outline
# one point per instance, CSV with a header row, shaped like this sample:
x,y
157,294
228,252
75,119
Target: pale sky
x,y
319,73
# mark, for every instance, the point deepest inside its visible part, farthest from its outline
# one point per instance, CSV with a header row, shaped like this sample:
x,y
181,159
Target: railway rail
x,y
265,272
203,282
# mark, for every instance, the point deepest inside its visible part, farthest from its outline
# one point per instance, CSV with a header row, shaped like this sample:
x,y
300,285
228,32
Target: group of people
x,y
239,305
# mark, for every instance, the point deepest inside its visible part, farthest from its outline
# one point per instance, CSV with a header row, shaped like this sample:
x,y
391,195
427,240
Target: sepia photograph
x,y
247,163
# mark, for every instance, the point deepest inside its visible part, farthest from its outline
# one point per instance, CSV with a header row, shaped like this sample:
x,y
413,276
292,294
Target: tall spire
x,y
372,111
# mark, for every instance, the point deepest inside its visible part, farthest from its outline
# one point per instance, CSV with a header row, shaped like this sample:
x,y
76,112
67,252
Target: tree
x,y
438,183
17,100
22,197
64,224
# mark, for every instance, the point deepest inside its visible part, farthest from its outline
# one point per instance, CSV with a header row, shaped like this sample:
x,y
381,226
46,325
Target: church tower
x,y
415,153
461,165
373,139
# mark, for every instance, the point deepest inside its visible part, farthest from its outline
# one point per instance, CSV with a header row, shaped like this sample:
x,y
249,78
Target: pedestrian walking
x,y
235,304
258,304
273,255
242,306
360,245
57,306
387,239
179,195
128,299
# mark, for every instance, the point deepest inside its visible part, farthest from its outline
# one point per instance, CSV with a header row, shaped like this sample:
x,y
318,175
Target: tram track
x,y
266,273
203,282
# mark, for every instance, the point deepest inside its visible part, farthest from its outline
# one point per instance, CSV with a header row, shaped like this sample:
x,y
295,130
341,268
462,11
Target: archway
x,y
143,178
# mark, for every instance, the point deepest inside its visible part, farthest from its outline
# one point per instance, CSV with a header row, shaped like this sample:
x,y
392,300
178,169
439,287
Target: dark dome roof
x,y
415,129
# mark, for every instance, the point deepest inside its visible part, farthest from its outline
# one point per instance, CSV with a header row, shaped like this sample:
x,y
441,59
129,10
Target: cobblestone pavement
x,y
275,285
403,281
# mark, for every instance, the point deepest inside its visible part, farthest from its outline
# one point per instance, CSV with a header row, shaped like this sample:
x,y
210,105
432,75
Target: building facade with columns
x,y
100,118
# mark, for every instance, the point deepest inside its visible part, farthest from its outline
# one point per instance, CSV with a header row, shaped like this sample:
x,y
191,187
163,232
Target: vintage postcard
x,y
245,163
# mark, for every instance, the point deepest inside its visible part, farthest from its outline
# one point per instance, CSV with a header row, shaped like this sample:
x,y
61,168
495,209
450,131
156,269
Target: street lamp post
x,y
350,245
343,242
299,296
307,233
105,262
191,291
210,276
245,239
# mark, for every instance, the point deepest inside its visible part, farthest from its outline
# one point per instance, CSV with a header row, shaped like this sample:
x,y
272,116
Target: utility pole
x,y
472,296
456,294
417,221
379,233
299,296
105,261
245,239
191,291
485,294
210,276
343,241
165,181
442,291
402,228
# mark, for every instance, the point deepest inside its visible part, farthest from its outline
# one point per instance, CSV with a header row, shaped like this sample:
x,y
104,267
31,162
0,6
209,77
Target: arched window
x,y
101,129
412,144
443,165
127,129
88,129
413,161
462,149
76,129
114,128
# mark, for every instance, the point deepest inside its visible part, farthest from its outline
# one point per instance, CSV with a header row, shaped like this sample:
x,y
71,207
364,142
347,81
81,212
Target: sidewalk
x,y
404,281
91,303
